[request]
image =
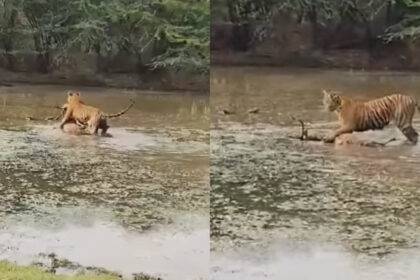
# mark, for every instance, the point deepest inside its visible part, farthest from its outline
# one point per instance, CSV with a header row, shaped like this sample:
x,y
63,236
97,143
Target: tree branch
x,y
304,136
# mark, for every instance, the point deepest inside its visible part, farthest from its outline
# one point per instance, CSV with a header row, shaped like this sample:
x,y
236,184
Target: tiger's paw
x,y
328,139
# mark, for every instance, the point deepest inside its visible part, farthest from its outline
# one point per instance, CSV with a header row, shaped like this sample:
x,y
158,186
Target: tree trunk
x,y
313,18
233,17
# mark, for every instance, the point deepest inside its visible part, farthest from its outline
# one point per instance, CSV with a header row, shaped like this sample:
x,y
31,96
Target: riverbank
x,y
155,81
355,59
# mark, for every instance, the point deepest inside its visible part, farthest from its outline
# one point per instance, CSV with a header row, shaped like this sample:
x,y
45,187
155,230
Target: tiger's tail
x,y
110,116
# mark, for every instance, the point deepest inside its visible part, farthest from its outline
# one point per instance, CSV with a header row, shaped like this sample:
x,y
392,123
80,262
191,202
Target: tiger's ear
x,y
69,93
77,93
326,93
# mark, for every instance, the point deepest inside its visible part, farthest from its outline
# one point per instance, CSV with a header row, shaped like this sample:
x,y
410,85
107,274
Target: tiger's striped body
x,y
85,116
374,114
82,114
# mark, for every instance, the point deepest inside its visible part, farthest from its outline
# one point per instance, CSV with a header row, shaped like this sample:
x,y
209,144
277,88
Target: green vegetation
x,y
12,272
409,24
174,33
322,11
389,19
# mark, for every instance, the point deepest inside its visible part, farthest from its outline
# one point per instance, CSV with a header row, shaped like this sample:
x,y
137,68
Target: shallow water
x,y
267,186
93,239
312,261
63,190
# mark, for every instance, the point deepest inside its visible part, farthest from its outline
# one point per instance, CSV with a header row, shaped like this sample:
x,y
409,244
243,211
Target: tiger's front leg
x,y
65,119
410,133
93,127
338,132
81,125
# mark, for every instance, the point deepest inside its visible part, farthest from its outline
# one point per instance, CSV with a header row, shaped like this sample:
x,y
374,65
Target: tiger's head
x,y
73,97
331,101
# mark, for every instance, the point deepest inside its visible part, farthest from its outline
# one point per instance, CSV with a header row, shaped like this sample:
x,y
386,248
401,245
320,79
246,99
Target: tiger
x,y
87,116
63,109
355,115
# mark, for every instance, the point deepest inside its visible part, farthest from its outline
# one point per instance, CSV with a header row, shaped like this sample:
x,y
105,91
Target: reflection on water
x,y
310,261
265,184
155,165
96,241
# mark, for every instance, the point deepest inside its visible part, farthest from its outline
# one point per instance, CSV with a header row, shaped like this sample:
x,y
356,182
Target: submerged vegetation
x,y
159,33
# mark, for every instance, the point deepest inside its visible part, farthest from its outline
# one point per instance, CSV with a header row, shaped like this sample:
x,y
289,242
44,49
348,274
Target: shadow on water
x,y
155,166
266,186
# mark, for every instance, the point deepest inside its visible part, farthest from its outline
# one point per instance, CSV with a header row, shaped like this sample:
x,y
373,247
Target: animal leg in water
x,y
338,132
80,124
410,133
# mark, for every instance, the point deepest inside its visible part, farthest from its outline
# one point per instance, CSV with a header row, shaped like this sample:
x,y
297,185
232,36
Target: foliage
x,y
326,10
175,32
409,24
402,17
185,30
8,24
242,11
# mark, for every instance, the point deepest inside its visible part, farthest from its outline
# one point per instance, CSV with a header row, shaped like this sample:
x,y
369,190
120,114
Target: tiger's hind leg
x,y
104,130
410,133
95,130
103,126
94,124
92,128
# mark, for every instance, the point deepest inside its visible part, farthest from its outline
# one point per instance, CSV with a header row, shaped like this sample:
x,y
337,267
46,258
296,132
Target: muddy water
x,y
133,203
307,209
